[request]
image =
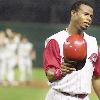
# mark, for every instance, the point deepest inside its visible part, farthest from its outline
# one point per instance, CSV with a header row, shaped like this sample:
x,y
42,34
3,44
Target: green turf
x,y
39,74
29,93
93,97
21,93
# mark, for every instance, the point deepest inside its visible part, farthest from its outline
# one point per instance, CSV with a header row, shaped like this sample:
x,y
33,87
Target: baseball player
x,y
5,61
12,46
12,43
66,82
25,60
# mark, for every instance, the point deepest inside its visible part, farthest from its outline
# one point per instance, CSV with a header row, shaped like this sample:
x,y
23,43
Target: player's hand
x,y
67,68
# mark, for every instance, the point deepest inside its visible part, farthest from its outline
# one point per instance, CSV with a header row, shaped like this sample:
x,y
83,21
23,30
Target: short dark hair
x,y
77,4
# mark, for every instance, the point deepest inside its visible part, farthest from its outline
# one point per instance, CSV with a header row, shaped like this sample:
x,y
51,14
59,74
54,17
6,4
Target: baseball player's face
x,y
84,17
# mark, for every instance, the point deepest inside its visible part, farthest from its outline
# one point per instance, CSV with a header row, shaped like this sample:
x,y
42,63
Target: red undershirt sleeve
x,y
51,55
97,67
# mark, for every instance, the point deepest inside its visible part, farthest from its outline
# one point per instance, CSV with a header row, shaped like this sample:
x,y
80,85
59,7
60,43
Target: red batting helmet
x,y
75,48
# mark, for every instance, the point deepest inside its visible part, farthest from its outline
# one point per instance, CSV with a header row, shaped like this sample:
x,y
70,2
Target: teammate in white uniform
x,y
5,60
67,83
3,66
25,60
12,46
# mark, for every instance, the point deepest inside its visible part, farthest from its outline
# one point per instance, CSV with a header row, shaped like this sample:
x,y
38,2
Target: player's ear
x,y
73,13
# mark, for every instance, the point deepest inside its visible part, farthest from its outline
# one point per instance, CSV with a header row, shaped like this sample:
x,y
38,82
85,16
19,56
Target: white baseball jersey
x,y
13,49
25,61
78,82
24,50
5,58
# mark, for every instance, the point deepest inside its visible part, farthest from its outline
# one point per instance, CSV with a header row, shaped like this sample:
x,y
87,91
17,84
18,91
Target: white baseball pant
x,y
54,95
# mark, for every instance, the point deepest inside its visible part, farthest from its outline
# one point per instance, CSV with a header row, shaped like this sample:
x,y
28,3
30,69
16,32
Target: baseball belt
x,y
81,96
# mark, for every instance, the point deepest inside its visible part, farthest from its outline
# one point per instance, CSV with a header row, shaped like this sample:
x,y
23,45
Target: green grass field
x,y
29,93
22,93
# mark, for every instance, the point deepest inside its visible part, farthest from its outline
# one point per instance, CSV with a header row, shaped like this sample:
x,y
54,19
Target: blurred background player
x,y
3,58
12,45
6,62
13,35
25,53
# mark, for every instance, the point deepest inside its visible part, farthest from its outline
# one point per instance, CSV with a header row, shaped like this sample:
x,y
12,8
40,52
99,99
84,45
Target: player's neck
x,y
73,30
